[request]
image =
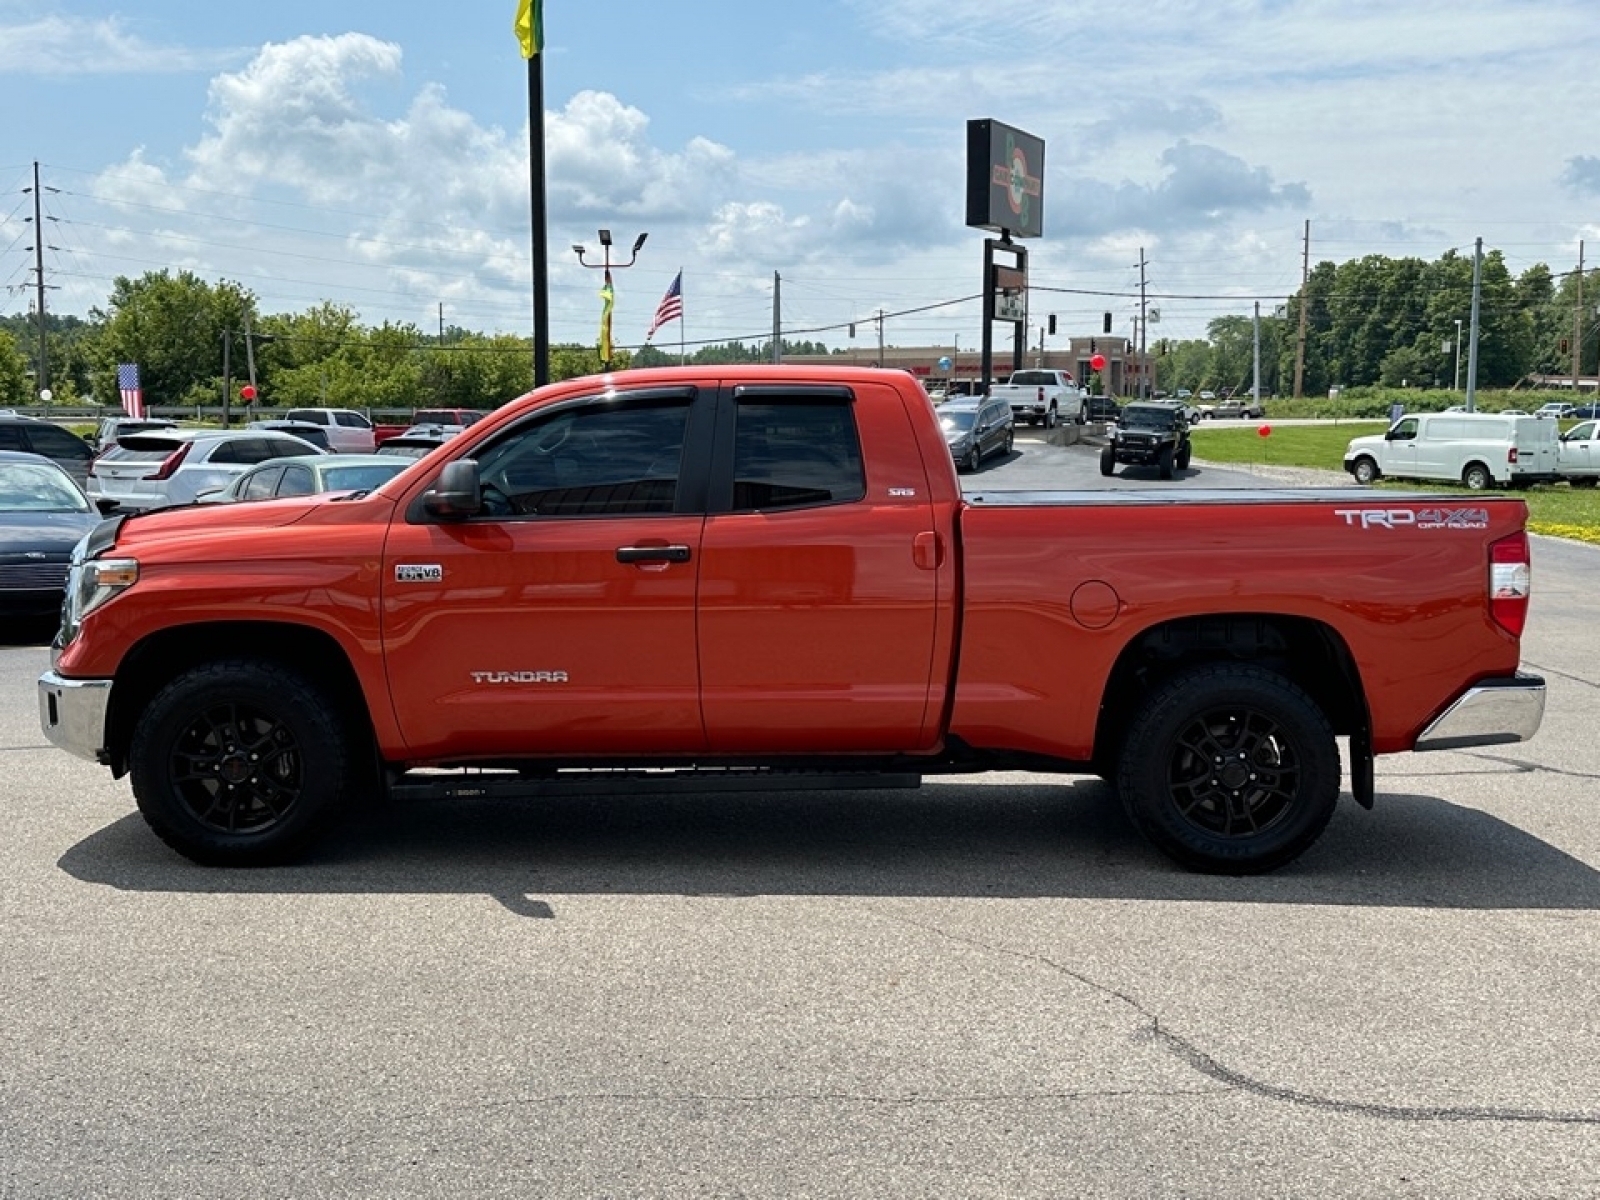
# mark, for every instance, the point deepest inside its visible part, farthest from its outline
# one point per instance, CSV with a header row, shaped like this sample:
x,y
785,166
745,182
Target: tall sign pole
x,y
529,28
1005,194
1472,346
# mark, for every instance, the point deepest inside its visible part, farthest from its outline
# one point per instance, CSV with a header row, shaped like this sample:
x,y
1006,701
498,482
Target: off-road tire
x,y
1229,769
1108,461
1164,462
242,763
1182,461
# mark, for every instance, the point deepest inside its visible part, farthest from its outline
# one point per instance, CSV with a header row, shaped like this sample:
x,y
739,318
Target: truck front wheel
x,y
1165,461
240,763
1365,471
1108,460
1230,770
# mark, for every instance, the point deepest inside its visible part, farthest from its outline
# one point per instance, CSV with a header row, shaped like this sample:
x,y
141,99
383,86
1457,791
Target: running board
x,y
509,785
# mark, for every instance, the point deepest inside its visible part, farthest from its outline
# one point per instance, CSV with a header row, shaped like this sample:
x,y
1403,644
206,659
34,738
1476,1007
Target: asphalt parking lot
x,y
988,987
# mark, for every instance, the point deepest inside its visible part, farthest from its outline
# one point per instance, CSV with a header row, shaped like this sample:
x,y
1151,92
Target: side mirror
x,y
106,505
457,494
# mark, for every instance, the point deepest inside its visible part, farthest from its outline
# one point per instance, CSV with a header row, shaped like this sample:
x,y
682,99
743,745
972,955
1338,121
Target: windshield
x,y
1137,416
957,420
363,477
29,487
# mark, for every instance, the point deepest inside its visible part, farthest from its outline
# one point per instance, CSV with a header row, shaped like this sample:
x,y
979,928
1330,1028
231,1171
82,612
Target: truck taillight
x,y
1511,456
1510,581
170,463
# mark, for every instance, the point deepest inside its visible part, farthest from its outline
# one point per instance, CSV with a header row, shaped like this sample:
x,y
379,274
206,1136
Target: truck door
x,y
1400,449
818,612
560,621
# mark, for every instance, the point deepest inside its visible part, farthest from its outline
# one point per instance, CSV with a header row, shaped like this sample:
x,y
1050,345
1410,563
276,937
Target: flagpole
x,y
541,242
682,321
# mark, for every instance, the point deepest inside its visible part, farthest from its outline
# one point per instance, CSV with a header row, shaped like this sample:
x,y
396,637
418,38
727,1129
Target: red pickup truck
x,y
767,577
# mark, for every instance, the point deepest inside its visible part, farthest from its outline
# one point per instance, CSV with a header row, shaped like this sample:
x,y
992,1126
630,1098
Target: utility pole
x,y
42,378
1144,359
1472,347
777,310
1255,386
880,337
250,356
1577,330
1300,341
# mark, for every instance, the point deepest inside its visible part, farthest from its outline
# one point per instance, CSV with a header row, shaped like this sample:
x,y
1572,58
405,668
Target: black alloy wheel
x,y
1230,769
240,763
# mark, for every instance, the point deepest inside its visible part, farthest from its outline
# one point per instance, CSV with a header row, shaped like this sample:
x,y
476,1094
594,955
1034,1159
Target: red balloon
x,y
1264,430
1098,362
247,392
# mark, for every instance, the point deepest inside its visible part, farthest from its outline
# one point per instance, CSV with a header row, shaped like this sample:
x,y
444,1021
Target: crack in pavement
x,y
1186,1051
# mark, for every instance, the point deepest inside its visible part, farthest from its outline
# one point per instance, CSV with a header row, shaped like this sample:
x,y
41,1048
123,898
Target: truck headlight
x,y
90,583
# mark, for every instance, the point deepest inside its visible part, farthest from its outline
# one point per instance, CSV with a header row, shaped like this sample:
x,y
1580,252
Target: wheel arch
x,y
1309,653
163,656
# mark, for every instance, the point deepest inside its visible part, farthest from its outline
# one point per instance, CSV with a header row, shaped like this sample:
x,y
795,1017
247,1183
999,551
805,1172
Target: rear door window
x,y
796,453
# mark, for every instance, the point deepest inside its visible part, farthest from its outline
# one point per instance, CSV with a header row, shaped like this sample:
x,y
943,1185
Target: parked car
x,y
1238,406
349,432
1103,408
310,475
447,416
111,428
173,466
418,440
43,514
976,428
1557,408
1477,450
29,435
1153,433
316,435
1591,409
1578,454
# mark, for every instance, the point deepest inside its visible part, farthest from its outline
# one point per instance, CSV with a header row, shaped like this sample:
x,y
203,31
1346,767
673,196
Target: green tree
x,y
172,326
15,381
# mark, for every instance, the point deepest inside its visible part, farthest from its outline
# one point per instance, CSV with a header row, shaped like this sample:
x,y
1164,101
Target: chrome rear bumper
x,y
1489,713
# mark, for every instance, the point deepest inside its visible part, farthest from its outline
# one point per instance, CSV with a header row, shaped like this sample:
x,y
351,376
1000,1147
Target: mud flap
x,y
1362,784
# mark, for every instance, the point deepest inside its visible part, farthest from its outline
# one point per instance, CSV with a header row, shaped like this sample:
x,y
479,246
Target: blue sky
x,y
375,156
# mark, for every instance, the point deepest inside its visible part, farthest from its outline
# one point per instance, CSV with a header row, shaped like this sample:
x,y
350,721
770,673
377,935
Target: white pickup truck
x,y
1042,397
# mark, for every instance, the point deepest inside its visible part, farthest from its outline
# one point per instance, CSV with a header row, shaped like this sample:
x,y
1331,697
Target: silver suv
x,y
173,466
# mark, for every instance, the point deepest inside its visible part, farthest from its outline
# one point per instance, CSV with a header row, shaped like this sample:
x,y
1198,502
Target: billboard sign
x,y
1005,179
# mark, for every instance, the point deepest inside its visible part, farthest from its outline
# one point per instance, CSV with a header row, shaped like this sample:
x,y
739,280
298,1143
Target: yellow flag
x,y
529,26
608,300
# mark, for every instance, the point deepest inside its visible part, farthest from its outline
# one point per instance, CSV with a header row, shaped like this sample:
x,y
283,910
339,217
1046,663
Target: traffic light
x,y
1107,325
1566,346
1091,346
1052,324
852,329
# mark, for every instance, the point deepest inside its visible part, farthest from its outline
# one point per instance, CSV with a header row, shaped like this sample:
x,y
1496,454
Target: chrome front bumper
x,y
1490,713
72,713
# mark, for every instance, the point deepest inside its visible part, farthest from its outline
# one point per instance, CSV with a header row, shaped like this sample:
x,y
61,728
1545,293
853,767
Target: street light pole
x,y
1458,354
606,293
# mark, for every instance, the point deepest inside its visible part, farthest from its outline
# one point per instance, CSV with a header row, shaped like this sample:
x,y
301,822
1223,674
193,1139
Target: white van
x,y
1475,449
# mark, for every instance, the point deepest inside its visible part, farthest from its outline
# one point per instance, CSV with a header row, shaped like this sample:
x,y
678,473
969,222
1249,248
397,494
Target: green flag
x,y
529,26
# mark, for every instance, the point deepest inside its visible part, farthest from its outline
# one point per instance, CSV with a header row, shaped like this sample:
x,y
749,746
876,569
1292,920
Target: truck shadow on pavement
x,y
951,839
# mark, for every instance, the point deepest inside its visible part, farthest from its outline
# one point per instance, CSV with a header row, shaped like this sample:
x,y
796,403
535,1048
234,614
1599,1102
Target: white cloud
x,y
66,46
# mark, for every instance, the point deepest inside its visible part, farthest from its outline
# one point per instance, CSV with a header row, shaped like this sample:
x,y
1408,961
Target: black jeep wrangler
x,y
1151,434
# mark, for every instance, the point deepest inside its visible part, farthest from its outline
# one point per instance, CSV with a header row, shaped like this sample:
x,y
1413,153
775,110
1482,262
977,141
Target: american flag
x,y
670,308
128,385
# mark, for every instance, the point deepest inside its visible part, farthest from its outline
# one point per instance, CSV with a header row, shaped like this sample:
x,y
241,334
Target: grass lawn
x,y
1553,508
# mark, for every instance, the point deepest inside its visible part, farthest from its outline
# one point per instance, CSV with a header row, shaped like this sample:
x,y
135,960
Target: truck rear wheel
x,y
1477,477
240,763
1050,417
1230,769
1108,460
